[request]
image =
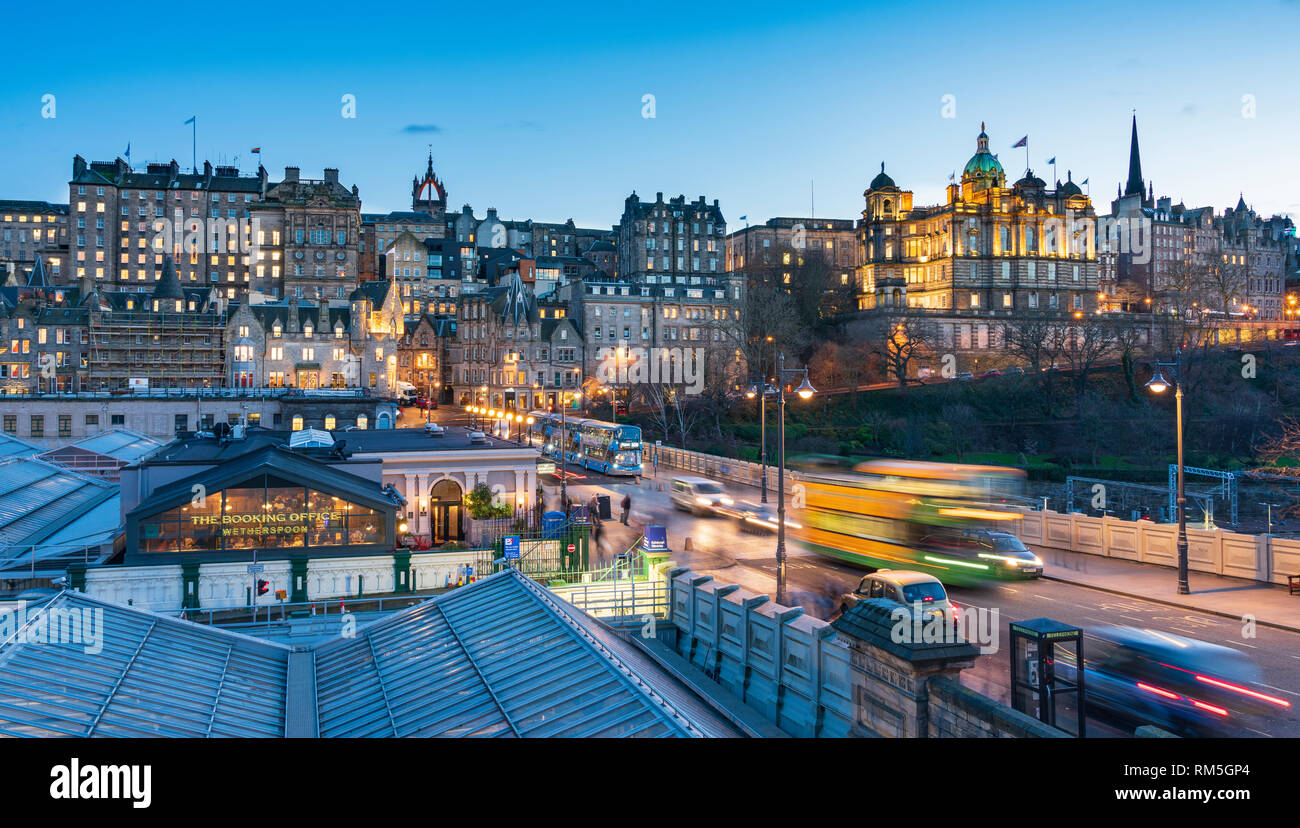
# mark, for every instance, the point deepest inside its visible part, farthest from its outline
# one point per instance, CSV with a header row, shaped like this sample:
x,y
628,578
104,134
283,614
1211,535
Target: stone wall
x,y
1254,557
817,679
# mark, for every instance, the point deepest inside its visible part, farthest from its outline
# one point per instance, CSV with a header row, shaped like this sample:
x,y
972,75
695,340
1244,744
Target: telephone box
x,y
1047,675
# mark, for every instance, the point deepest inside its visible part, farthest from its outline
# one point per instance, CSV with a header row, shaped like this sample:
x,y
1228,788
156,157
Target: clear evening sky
x,y
536,108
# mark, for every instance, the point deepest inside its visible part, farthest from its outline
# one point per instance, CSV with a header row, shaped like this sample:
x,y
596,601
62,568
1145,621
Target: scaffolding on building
x,y
158,349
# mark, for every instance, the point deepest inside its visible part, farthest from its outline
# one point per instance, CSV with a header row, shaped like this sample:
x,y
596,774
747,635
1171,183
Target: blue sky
x,y
536,109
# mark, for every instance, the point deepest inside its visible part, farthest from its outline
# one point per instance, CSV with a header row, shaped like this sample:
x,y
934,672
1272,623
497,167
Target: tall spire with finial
x,y
1134,184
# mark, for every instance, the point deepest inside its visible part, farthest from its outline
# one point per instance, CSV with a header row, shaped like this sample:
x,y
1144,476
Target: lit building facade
x,y
988,248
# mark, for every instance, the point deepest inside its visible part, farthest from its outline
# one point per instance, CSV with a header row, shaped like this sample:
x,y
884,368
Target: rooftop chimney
x,y
291,174
331,175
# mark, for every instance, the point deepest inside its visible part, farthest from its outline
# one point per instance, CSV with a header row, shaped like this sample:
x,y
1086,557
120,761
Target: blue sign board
x,y
655,540
512,547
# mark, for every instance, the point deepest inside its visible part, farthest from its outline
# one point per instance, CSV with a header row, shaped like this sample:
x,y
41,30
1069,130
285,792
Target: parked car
x,y
698,495
904,587
478,437
964,376
434,430
1014,371
992,372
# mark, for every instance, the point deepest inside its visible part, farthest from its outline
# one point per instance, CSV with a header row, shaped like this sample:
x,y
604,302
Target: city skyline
x,y
555,129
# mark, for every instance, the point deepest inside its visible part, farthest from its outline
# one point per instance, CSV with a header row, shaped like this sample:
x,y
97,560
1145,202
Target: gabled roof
x,y
269,459
38,500
498,657
151,676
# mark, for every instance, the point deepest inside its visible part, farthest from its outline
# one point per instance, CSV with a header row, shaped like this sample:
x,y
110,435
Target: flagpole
x,y
194,144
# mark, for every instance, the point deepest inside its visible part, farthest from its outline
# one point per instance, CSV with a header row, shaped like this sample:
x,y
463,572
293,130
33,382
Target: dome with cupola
x,y
1069,188
983,169
882,180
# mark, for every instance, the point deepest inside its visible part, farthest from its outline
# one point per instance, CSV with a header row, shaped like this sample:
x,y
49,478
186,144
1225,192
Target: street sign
x,y
253,569
572,548
511,547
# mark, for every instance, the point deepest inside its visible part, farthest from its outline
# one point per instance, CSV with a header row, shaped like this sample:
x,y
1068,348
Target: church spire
x,y
1134,185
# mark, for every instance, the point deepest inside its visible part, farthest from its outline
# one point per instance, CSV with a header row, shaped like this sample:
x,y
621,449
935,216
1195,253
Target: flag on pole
x,y
257,150
952,176
1051,160
128,151
190,120
1085,181
1023,142
744,218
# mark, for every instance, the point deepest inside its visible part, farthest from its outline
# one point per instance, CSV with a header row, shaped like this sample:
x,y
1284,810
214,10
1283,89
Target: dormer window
x,y
276,330
338,331
307,330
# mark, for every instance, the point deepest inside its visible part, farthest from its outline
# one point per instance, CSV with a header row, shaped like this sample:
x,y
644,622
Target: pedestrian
x,y
594,508
627,507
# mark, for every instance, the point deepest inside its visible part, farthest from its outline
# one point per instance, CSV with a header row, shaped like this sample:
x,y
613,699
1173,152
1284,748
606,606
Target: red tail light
x,y
1158,691
1218,710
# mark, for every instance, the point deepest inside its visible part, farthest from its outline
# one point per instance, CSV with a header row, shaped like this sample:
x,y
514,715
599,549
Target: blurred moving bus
x,y
900,514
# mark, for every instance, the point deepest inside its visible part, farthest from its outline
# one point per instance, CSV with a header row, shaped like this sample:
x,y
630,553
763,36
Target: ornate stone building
x,y
988,248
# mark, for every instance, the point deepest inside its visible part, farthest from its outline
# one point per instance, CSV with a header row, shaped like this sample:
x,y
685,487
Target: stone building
x,y
310,345
671,237
426,219
31,230
507,355
988,248
426,272
834,240
321,233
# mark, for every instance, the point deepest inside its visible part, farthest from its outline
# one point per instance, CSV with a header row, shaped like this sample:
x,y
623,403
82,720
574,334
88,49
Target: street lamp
x,y
805,392
1158,384
564,476
762,413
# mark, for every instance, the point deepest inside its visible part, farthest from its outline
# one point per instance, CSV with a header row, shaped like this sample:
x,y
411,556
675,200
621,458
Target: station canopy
x,y
499,657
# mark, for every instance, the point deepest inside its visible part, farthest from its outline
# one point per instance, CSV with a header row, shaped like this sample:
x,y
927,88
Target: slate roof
x,y
870,621
499,657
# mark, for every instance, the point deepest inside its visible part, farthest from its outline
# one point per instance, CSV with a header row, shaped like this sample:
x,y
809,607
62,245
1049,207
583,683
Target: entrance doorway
x,y
445,512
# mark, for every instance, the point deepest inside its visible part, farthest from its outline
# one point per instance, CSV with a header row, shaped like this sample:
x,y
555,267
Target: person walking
x,y
627,507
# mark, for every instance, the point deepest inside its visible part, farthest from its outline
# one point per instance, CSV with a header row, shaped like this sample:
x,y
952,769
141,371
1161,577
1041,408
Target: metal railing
x,y
283,611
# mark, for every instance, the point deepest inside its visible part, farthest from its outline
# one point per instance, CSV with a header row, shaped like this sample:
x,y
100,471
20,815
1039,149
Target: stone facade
x,y
989,246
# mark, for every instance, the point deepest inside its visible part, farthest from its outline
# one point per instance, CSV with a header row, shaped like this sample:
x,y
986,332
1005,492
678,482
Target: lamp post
x,y
805,391
1159,385
762,415
564,475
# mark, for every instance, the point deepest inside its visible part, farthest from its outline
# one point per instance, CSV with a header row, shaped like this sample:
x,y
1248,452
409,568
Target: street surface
x,y
718,548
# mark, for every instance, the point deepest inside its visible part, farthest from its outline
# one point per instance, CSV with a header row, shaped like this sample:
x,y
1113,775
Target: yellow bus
x,y
899,514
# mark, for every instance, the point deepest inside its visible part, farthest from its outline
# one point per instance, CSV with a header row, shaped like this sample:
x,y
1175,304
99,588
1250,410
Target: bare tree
x,y
1086,341
897,337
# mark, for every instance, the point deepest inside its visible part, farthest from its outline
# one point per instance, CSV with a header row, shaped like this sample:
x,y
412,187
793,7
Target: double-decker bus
x,y
609,448
898,514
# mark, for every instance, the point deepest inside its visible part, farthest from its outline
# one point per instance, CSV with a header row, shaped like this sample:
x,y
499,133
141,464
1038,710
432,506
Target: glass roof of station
x,y
131,673
500,657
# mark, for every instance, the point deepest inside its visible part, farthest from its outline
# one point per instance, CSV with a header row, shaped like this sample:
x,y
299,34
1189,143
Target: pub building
x,y
271,502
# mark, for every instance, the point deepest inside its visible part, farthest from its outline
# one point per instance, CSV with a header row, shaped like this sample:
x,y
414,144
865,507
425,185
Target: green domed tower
x,y
983,170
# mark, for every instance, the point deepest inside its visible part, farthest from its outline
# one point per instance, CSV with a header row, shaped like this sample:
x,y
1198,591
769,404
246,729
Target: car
x,y
434,430
1185,686
965,376
1014,371
754,517
1013,558
915,590
992,372
478,438
698,495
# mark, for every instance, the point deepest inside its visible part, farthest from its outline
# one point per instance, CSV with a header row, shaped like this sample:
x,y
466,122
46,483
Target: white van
x,y
698,494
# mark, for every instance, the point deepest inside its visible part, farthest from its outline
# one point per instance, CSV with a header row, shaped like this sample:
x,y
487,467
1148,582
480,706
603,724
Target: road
x,y
715,546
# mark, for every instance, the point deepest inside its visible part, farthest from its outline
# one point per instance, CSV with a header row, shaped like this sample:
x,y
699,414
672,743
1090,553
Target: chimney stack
x,y
331,175
291,174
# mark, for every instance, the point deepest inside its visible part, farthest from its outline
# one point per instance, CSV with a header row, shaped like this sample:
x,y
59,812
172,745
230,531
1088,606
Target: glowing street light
x,y
1158,384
